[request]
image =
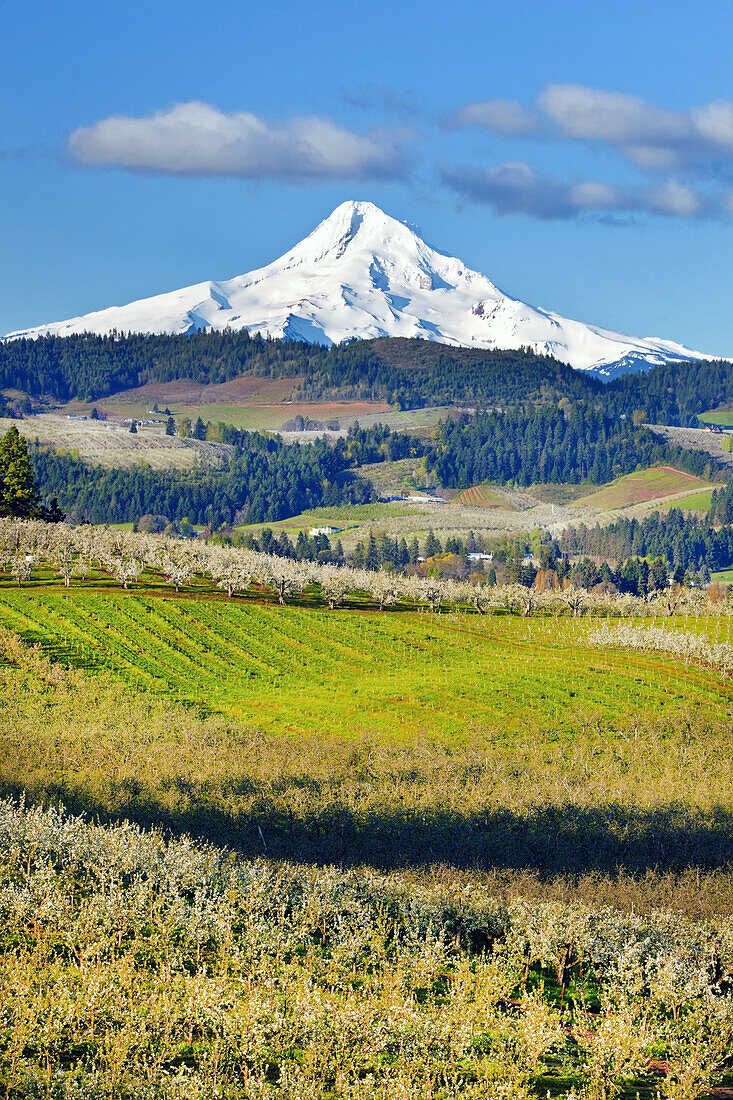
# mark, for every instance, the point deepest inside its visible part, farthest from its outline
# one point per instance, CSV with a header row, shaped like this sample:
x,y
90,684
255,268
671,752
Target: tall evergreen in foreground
x,y
19,495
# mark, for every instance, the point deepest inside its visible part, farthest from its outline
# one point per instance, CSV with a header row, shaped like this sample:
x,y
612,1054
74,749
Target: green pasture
x,y
301,668
695,502
722,417
643,486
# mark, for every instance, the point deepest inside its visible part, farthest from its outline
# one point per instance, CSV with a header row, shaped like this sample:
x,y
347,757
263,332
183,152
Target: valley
x,y
365,708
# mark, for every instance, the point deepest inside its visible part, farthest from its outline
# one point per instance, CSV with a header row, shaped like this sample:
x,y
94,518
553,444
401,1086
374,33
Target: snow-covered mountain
x,y
362,274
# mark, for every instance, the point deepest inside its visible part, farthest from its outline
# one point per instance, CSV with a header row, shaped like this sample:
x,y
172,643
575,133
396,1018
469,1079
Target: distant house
x,y
480,557
324,531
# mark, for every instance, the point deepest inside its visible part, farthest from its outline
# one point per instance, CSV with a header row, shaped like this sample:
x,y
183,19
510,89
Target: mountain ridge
x,y
362,274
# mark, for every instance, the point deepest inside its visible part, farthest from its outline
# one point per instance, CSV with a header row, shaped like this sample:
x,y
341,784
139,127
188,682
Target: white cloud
x,y
714,122
615,117
516,188
504,116
198,139
677,200
658,140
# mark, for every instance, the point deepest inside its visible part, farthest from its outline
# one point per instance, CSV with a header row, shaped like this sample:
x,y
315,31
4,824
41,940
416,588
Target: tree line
x,y
685,542
565,442
405,373
126,556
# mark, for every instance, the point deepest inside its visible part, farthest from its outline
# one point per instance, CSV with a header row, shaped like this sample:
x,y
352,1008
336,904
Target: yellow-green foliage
x,y
637,815
134,968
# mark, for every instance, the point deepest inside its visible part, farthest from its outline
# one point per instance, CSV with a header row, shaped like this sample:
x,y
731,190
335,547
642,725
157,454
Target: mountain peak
x,y
362,274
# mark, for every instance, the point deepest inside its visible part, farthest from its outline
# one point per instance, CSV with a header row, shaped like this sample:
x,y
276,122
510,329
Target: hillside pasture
x,y
695,502
641,487
722,417
259,417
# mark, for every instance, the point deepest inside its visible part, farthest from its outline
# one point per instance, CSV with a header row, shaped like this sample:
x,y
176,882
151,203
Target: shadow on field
x,y
548,841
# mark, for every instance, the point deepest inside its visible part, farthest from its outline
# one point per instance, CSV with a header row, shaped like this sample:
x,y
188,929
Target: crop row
x,y
296,668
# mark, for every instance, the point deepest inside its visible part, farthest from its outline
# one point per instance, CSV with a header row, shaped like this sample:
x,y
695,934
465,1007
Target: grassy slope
x,y
695,502
722,417
641,487
397,739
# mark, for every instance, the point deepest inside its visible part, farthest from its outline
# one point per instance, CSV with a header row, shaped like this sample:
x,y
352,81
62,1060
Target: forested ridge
x,y
407,373
264,480
548,443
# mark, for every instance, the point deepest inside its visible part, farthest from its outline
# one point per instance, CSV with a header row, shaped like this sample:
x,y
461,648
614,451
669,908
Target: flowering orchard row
x,y
135,967
125,556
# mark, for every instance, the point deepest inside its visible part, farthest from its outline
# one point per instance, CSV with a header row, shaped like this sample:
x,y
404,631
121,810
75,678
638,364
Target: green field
x,y
342,516
258,415
301,669
695,502
437,836
722,417
641,487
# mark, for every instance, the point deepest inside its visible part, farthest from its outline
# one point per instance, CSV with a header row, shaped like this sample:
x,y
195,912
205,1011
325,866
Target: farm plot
x,y
656,483
481,496
350,672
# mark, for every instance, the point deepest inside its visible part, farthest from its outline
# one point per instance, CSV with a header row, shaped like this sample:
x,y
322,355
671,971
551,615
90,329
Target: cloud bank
x,y
515,188
686,155
196,139
656,139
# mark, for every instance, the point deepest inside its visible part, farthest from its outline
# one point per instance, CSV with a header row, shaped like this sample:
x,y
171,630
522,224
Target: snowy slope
x,y
362,274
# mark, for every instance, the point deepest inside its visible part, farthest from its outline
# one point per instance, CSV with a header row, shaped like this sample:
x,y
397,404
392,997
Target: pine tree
x,y
432,545
170,426
372,560
19,494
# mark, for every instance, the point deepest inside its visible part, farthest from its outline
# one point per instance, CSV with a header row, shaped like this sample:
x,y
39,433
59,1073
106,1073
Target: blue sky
x,y
579,154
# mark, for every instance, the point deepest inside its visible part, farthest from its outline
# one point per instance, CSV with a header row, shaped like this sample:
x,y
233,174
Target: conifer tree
x,y
372,559
19,494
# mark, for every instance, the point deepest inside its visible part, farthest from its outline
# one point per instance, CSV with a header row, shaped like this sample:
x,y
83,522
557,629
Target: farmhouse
x,y
323,531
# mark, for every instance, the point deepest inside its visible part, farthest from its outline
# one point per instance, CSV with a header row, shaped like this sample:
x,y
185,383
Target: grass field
x,y
397,738
343,516
259,417
695,502
653,484
724,575
466,856
299,669
722,417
